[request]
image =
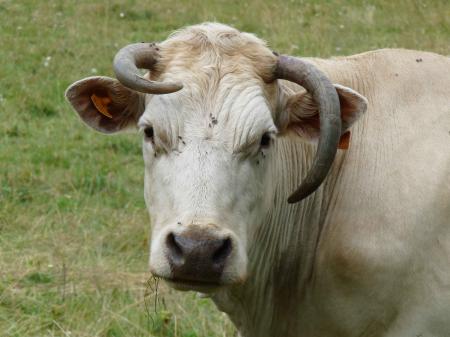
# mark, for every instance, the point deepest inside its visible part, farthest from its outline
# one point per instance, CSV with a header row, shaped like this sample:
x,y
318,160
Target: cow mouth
x,y
195,285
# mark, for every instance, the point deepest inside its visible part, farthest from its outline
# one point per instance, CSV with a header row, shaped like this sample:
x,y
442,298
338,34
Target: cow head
x,y
209,111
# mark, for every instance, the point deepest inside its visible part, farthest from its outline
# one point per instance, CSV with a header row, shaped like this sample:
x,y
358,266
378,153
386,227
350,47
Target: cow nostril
x,y
176,252
222,252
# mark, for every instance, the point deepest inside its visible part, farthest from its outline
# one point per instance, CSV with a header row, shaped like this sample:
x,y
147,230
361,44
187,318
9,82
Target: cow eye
x,y
149,132
265,140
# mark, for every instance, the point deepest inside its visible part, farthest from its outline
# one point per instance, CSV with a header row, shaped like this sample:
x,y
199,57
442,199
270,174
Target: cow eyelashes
x,y
266,139
149,132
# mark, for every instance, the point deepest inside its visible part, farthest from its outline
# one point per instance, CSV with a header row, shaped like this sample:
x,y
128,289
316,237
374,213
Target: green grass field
x,y
74,231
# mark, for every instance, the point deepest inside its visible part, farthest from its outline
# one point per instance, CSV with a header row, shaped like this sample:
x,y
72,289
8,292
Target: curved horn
x,y
143,56
325,96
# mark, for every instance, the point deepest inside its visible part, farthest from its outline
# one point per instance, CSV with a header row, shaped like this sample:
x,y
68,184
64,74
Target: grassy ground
x,y
73,227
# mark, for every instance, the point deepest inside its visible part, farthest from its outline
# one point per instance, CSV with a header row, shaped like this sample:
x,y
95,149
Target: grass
x,y
73,226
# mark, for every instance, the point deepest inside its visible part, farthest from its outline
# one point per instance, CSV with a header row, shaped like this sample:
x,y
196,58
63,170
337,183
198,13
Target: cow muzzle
x,y
201,258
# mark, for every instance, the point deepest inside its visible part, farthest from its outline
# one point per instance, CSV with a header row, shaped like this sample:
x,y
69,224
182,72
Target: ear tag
x,y
101,104
344,142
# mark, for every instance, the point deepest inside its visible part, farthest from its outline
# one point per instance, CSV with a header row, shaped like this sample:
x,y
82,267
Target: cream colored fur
x,y
368,254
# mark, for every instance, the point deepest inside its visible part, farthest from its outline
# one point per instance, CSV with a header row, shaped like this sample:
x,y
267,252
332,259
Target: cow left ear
x,y
104,104
301,114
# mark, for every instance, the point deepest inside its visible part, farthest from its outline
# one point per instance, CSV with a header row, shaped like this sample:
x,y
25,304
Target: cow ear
x,y
301,114
104,104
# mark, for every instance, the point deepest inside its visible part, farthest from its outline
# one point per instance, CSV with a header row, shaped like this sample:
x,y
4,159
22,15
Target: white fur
x,y
203,177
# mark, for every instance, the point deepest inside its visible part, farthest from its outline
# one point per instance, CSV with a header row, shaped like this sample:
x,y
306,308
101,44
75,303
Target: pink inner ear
x,y
104,104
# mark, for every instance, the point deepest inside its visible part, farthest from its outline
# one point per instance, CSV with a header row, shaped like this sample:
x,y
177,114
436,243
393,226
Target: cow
x,y
307,197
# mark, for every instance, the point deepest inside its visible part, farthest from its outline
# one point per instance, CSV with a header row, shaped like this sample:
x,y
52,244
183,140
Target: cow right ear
x,y
104,104
301,114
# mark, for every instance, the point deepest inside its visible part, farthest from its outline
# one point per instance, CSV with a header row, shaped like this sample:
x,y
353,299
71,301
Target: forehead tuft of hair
x,y
218,44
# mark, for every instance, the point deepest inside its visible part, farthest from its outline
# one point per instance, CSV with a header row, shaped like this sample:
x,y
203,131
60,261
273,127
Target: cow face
x,y
207,149
206,155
